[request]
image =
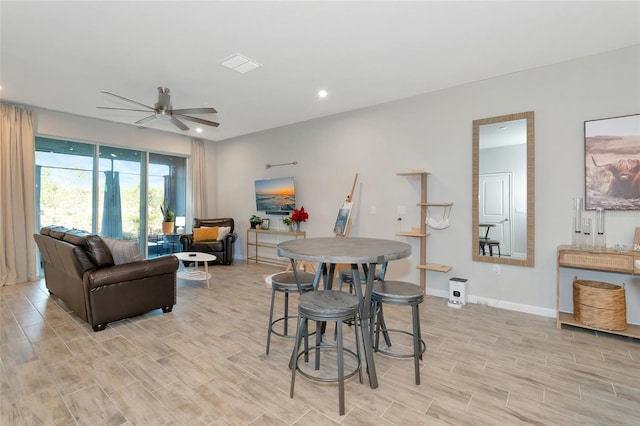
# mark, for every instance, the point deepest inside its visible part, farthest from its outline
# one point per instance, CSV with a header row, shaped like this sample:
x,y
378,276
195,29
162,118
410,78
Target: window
x,y
116,193
119,187
64,183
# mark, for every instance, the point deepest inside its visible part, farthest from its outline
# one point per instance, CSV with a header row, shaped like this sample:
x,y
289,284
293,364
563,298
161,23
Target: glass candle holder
x,y
600,241
587,237
576,231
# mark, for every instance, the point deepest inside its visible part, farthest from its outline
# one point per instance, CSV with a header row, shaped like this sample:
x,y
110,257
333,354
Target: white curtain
x,y
199,179
17,192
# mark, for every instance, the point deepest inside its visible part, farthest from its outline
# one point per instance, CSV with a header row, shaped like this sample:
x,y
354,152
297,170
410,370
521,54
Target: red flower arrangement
x,y
299,215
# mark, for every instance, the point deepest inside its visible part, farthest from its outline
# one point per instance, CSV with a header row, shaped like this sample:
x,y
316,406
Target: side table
x,y
164,244
196,257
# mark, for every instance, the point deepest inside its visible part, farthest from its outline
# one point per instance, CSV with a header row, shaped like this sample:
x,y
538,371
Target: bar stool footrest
x,y
347,375
423,345
293,318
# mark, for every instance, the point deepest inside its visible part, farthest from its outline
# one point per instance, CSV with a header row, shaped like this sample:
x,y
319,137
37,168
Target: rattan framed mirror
x,y
503,189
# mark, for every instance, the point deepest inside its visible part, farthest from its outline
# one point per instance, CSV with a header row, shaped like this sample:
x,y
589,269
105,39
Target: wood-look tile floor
x,y
205,364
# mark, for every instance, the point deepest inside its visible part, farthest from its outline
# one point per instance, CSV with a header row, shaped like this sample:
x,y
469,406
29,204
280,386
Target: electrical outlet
x,y
373,210
402,210
496,269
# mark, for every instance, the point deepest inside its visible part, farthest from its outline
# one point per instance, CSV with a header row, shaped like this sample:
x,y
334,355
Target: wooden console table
x,y
621,262
268,242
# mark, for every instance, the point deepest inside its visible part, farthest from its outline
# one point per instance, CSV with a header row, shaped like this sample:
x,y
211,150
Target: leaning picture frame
x,y
265,224
612,163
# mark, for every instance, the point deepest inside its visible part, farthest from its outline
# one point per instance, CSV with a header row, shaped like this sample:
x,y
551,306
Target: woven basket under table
x,y
599,305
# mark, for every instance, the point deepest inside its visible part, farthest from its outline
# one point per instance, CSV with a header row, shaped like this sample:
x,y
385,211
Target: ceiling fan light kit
x,y
163,108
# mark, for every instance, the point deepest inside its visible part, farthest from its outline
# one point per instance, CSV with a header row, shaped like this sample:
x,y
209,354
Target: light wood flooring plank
x,y
205,364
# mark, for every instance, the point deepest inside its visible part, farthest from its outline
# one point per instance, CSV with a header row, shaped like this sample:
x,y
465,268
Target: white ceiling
x,y
60,54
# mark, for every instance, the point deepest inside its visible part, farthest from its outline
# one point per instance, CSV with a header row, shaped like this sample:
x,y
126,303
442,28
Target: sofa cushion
x,y
76,237
98,251
221,221
205,234
123,251
208,246
57,232
223,231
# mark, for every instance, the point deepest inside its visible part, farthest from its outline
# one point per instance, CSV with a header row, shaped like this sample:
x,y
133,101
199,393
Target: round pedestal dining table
x,y
331,251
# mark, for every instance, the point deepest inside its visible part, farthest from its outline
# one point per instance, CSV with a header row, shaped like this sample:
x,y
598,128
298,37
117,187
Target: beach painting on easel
x,y
341,227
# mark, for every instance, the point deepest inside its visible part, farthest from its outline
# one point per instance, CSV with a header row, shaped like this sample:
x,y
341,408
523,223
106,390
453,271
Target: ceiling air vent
x,y
239,63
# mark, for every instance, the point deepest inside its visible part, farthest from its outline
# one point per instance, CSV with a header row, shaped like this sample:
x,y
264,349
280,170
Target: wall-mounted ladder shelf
x,y
422,234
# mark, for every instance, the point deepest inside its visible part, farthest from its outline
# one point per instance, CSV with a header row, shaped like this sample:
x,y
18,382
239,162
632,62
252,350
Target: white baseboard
x,y
502,304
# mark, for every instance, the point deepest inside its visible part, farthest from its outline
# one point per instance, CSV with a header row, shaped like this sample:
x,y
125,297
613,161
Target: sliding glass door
x,y
114,192
167,183
64,183
120,185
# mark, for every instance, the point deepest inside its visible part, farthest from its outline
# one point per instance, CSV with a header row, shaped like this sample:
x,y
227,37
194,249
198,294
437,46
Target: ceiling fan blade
x,y
199,120
195,111
179,123
124,109
128,100
146,119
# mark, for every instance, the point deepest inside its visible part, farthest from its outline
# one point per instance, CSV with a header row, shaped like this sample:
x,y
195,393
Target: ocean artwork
x,y
275,195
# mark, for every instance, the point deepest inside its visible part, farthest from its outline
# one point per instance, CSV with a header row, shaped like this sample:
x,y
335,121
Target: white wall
x,y
433,132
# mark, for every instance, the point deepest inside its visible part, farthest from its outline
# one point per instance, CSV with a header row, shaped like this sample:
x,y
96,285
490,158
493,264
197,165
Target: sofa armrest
x,y
131,271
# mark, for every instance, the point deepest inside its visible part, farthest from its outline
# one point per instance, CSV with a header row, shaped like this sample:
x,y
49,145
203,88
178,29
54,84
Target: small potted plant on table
x,y
255,220
287,221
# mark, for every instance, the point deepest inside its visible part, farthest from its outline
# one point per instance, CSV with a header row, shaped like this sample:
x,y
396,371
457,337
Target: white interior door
x,y
495,208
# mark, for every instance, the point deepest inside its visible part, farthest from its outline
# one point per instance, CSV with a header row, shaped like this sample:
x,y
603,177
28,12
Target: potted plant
x,y
255,220
287,221
168,219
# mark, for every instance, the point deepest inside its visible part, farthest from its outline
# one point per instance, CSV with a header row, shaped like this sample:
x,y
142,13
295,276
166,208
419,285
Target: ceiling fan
x,y
163,108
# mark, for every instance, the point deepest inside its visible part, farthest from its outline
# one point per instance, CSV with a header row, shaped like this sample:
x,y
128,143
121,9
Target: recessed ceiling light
x,y
199,129
322,93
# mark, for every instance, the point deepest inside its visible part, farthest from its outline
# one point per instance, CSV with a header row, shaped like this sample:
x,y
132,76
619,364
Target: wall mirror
x,y
503,189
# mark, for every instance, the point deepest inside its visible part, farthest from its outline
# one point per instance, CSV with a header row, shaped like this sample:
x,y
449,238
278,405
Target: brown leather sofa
x,y
221,248
104,280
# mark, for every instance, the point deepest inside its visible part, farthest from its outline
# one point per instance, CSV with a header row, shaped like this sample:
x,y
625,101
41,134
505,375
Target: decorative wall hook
x,y
268,166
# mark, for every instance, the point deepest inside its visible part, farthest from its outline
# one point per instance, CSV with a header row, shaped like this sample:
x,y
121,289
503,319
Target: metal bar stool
x,y
285,282
345,275
321,307
403,294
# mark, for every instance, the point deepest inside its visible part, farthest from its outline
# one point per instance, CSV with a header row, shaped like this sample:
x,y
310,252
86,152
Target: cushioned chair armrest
x,y
186,241
228,241
132,271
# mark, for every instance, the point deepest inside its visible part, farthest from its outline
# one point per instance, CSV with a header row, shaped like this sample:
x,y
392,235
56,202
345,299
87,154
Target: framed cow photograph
x,y
612,163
